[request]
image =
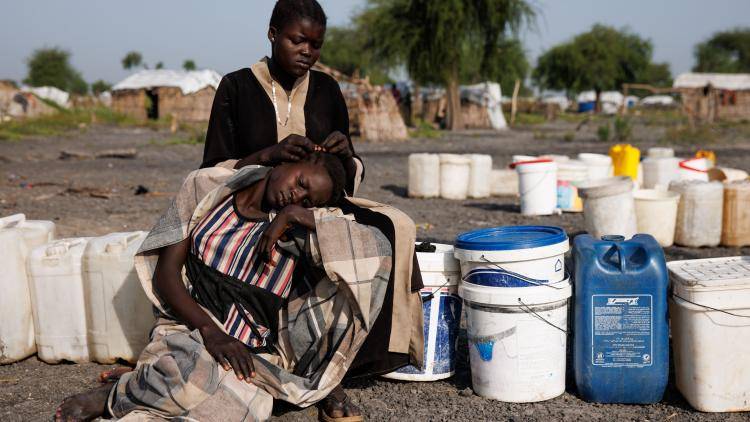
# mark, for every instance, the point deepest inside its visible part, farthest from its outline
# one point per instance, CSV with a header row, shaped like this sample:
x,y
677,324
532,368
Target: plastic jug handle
x,y
12,221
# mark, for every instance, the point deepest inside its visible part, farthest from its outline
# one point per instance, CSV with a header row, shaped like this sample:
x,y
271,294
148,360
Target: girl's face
x,y
304,184
296,46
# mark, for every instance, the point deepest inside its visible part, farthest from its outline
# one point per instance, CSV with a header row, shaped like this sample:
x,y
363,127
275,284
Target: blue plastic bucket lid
x,y
509,238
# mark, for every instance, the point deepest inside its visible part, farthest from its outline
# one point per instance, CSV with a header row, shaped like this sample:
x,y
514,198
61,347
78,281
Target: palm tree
x,y
433,37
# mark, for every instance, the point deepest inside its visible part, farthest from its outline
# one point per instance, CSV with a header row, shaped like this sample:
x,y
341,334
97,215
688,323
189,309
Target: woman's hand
x,y
292,148
290,214
229,352
337,144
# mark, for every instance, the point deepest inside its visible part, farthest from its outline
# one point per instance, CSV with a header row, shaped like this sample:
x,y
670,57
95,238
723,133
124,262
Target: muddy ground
x,y
90,197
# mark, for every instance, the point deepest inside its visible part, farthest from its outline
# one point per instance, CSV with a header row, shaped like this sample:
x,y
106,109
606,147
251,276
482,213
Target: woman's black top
x,y
243,121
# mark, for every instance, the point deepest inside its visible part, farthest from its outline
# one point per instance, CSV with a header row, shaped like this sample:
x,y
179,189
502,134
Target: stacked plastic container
x,y
710,316
515,293
18,236
699,214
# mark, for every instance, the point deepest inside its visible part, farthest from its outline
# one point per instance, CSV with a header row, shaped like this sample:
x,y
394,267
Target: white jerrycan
x,y
17,237
119,315
57,298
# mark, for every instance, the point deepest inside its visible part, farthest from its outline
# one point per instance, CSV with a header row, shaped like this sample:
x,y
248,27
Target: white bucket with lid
x,y
18,236
656,214
442,316
537,186
710,320
58,302
608,206
600,165
119,314
517,339
424,176
455,172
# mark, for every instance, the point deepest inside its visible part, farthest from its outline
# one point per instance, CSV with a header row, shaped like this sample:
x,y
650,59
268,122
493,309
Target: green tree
x,y
51,67
100,86
431,38
508,66
601,59
188,65
159,65
131,60
724,52
344,50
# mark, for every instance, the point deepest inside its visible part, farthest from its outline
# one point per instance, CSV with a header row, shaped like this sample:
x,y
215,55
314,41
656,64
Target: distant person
x,y
396,93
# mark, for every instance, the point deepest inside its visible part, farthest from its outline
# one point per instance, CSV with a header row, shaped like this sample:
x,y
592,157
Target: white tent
x,y
730,81
657,100
560,100
487,94
188,81
50,93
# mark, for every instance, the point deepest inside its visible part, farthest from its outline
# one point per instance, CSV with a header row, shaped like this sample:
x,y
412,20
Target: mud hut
x,y
153,94
481,106
715,96
18,104
373,112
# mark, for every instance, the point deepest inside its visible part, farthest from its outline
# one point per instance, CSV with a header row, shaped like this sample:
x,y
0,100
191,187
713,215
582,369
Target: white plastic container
x,y
608,206
600,165
442,316
699,214
660,152
710,319
569,174
17,237
517,340
119,316
424,175
656,214
481,170
695,169
658,173
537,186
455,171
504,182
58,302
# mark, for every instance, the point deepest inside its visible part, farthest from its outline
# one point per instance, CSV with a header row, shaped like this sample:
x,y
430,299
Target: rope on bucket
x,y
531,311
708,307
526,281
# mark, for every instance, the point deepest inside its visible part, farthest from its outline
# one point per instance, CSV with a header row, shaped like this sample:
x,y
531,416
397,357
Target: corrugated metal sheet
x,y
732,81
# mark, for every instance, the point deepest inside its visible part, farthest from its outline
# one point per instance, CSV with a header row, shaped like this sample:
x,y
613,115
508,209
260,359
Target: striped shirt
x,y
225,241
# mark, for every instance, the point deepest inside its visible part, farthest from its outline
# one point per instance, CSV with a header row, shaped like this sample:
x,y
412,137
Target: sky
x,y
229,34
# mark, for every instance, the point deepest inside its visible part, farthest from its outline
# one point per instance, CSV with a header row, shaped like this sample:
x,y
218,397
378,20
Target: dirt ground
x,y
96,196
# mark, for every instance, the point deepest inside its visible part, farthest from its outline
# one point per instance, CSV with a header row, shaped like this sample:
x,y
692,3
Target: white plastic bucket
x,y
119,315
18,237
58,301
537,186
656,214
517,340
504,182
424,175
599,165
442,316
695,169
710,320
658,173
479,178
608,206
569,174
699,213
455,171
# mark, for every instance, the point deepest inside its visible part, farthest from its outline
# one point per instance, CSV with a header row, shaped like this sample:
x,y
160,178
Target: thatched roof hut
x,y
373,112
712,96
151,94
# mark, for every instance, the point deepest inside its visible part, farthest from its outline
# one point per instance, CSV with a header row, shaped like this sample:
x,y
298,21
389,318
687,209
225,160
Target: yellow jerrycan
x,y
625,159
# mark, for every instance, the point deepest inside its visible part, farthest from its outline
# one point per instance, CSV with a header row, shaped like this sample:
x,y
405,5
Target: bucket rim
x,y
514,296
510,238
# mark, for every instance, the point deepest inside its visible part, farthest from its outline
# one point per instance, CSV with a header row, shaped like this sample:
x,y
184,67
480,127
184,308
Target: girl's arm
x,y
228,351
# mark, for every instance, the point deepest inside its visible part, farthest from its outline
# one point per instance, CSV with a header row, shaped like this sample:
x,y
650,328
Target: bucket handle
x,y
531,311
708,307
430,296
463,278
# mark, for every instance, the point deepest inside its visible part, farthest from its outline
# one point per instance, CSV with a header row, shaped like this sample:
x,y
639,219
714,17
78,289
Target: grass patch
x,y
530,119
61,122
424,130
188,134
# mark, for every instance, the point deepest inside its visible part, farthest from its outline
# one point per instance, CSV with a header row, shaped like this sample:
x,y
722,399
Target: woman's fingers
x,y
302,142
236,365
222,361
246,361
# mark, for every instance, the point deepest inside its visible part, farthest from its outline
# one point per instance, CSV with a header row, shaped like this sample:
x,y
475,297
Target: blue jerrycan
x,y
621,332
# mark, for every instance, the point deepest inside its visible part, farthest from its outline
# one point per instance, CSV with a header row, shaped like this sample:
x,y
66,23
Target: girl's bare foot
x,y
84,406
339,407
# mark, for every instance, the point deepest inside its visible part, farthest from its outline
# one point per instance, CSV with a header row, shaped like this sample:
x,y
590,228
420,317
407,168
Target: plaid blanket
x,y
321,329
